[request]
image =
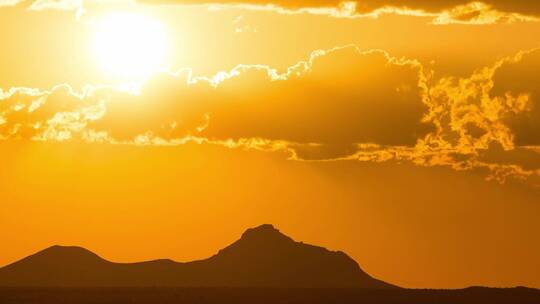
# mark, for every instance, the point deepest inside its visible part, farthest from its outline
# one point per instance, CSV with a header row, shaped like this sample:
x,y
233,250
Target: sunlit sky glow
x,y
408,129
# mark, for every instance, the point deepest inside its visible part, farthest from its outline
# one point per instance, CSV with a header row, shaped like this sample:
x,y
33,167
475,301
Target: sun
x,y
130,45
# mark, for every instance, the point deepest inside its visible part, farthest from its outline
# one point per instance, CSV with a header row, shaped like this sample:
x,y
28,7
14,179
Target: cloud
x,y
340,104
9,2
58,4
478,13
479,121
33,114
517,6
491,117
444,11
518,80
337,98
488,120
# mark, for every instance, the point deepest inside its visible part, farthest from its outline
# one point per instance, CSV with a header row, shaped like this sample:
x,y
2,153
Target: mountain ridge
x,y
262,257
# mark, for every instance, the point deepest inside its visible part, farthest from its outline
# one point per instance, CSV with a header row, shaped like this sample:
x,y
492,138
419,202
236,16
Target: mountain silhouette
x,y
262,257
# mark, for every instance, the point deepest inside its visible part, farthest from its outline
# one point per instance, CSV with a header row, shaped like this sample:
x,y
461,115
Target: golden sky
x,y
406,133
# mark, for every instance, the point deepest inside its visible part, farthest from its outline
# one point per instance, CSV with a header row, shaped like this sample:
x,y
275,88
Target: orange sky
x,y
407,137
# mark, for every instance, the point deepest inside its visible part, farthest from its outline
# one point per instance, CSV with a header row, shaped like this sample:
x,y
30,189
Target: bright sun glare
x,y
130,45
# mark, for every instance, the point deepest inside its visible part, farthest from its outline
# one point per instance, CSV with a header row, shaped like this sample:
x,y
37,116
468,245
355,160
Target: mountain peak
x,y
64,255
263,227
262,231
60,248
265,234
72,250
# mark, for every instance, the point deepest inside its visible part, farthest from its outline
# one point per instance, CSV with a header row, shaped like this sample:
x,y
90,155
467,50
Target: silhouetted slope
x,y
53,264
263,257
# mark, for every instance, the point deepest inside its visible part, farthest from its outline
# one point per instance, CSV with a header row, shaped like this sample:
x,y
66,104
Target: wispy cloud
x,y
441,12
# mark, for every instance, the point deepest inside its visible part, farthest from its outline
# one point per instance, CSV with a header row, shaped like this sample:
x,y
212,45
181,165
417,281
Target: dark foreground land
x,y
474,295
